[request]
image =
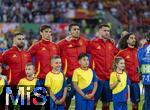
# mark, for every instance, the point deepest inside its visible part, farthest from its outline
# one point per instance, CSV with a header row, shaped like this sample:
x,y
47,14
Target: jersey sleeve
x,y
33,49
75,76
47,81
112,78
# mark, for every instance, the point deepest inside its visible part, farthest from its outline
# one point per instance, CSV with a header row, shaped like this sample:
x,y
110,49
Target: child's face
x,y
56,64
84,62
30,70
121,64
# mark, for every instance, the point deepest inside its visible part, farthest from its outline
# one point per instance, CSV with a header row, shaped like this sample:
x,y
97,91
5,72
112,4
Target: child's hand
x,y
86,97
57,102
118,78
62,100
91,96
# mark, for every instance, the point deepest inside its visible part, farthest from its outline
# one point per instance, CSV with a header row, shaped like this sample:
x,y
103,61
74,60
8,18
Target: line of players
x,y
95,86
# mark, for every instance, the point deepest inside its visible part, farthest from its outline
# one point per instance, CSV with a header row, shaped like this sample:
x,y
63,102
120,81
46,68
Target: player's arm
x,y
113,85
64,96
95,85
62,100
80,91
113,82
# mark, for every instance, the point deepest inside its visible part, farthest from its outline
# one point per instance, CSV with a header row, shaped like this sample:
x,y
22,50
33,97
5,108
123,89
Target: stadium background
x,y
27,16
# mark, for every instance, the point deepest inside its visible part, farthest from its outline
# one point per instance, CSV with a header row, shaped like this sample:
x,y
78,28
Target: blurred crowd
x,y
133,15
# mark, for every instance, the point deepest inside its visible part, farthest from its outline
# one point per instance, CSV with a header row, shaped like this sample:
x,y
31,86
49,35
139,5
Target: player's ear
x,y
79,61
41,33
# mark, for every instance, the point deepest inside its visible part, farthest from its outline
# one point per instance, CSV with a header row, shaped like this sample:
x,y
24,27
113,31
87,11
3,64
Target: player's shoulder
x,y
123,50
8,51
112,74
62,42
36,44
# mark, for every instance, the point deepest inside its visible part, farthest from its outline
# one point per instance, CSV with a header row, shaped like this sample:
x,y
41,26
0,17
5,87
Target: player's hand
x,y
91,96
62,100
68,38
118,78
57,102
112,40
86,97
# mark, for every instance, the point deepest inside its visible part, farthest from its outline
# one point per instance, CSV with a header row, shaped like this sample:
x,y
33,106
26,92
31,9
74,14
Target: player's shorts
x,y
71,90
135,93
146,104
120,105
82,104
103,91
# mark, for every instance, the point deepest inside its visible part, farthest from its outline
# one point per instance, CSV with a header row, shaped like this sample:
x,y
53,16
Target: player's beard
x,y
21,46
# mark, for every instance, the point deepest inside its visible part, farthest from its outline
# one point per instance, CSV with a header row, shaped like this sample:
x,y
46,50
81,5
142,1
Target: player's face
x,y
131,40
75,31
20,41
56,64
121,64
46,34
84,62
104,32
30,70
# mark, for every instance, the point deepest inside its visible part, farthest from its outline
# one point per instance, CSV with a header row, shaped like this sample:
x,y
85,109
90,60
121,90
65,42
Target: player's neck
x,y
119,71
55,71
84,68
104,39
30,77
130,46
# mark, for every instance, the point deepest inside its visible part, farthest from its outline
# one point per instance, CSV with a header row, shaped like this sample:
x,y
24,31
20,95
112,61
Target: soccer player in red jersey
x,y
70,48
102,51
15,59
129,45
42,51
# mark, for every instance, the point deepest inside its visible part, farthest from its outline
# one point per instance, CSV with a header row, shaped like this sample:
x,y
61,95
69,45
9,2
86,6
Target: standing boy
x,y
85,83
56,85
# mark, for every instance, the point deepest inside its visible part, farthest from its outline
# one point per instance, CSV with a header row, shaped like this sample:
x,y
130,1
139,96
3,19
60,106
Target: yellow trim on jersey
x,y
2,84
54,81
93,65
82,77
9,81
120,52
122,84
66,66
38,70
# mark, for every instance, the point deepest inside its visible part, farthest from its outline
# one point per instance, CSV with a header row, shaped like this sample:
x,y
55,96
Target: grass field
x,y
99,105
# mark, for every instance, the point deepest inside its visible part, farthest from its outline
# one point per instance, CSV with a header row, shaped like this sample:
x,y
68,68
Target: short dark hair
x,y
71,25
82,55
18,33
103,25
44,26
